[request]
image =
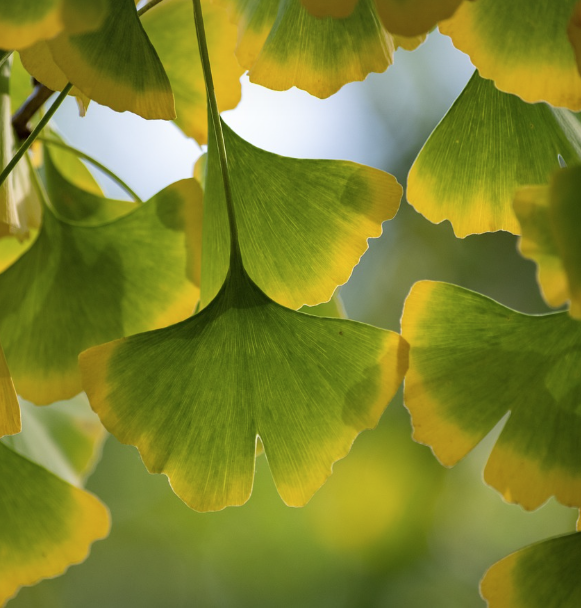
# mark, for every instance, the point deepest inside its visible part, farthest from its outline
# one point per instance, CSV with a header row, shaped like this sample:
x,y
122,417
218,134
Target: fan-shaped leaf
x,y
283,45
46,524
303,224
24,23
545,574
488,144
244,367
522,46
472,361
339,9
550,218
116,66
169,28
81,285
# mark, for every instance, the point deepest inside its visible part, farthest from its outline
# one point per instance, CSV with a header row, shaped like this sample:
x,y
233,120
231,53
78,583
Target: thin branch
x,y
36,132
4,56
40,94
148,7
235,254
97,164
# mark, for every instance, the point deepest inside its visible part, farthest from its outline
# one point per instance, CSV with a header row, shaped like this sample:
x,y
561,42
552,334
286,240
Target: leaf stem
x,y
235,254
148,7
90,159
4,56
35,133
34,101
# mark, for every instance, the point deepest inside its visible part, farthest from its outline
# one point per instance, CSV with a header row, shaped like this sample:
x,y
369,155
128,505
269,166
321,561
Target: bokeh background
x,y
391,527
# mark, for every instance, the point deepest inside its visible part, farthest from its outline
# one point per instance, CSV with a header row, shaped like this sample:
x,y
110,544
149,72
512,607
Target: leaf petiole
x,y
82,155
235,254
35,133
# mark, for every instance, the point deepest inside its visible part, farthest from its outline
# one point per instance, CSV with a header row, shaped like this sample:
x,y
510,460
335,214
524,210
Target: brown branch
x,y
29,108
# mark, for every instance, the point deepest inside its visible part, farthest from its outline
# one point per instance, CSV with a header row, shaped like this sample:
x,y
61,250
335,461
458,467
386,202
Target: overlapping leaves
x,y
46,522
471,362
83,282
488,144
550,218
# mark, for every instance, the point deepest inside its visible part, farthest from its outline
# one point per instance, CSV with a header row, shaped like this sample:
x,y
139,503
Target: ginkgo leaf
x,y
9,407
545,574
170,29
283,45
245,367
66,438
574,33
402,17
522,46
46,524
550,218
472,361
116,66
25,23
488,144
80,285
77,204
70,166
303,224
332,308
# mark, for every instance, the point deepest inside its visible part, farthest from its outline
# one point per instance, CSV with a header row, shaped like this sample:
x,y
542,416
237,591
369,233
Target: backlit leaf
x,y
81,285
46,524
169,28
66,438
303,224
545,574
116,66
23,23
245,367
522,46
9,408
488,144
339,9
472,361
283,45
550,217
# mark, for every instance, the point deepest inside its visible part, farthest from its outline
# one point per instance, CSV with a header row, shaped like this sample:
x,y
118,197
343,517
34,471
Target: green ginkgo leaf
x,y
66,438
550,218
9,407
116,66
545,574
243,368
402,17
522,46
283,45
80,285
46,524
472,361
25,23
170,29
303,224
488,144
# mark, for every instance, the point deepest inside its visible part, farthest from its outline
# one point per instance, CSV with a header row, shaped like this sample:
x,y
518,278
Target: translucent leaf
x,y
303,224
522,46
550,218
283,45
169,27
488,144
245,367
472,361
46,524
116,66
66,438
9,408
81,285
22,23
545,574
339,9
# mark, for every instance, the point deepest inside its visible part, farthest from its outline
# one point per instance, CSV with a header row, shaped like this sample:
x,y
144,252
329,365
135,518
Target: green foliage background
x,y
391,527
